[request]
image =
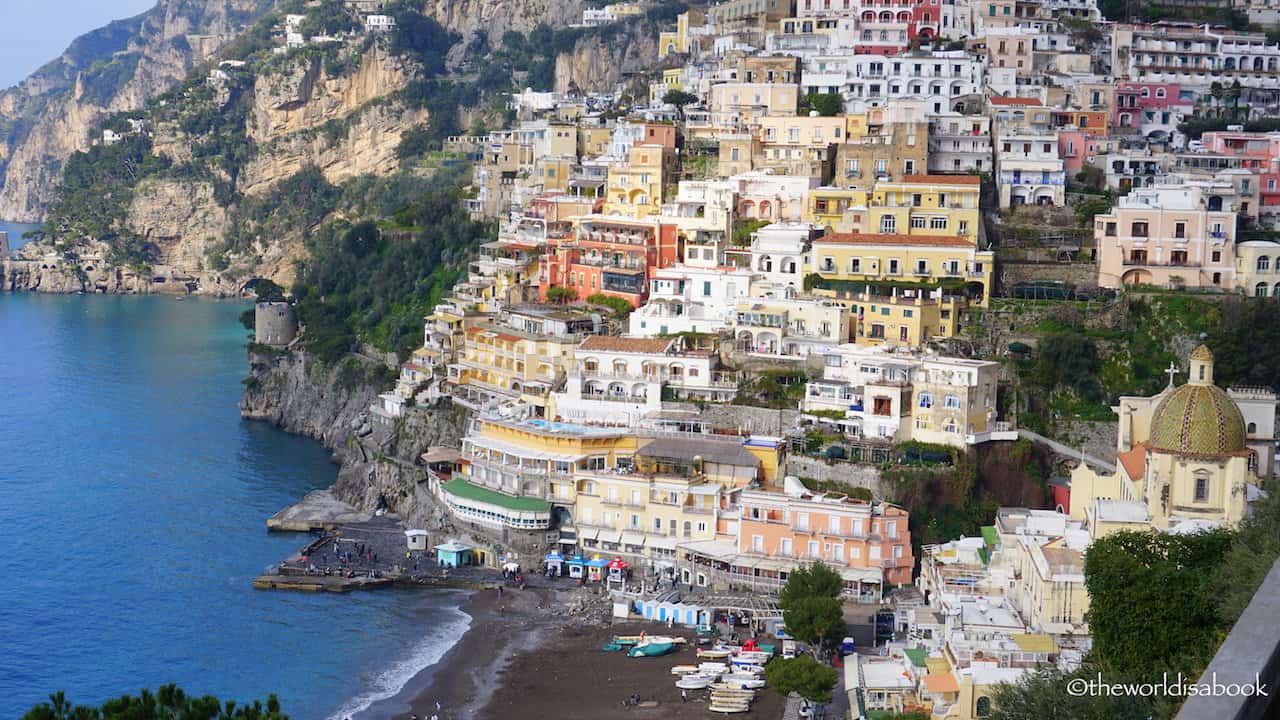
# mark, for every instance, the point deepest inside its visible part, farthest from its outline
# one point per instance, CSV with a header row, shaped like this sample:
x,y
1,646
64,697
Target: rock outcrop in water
x,y
331,404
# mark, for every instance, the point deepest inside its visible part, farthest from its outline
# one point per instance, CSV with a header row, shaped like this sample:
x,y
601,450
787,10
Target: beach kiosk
x,y
453,554
416,540
577,567
596,568
617,571
555,564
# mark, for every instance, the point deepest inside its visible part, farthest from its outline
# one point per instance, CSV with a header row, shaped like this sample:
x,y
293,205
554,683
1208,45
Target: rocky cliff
x,y
52,113
489,19
331,404
598,63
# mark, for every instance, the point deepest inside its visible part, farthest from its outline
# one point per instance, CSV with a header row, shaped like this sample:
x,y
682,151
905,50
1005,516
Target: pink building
x,y
1256,151
1074,146
867,543
1135,99
1169,235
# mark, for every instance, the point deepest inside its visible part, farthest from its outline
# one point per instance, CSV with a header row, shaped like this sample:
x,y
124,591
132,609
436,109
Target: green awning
x,y
915,655
463,489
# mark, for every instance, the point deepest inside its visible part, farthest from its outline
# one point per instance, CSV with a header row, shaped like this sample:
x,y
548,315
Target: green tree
x,y
827,104
168,702
621,308
811,606
802,674
1070,360
1044,696
561,295
679,98
1153,601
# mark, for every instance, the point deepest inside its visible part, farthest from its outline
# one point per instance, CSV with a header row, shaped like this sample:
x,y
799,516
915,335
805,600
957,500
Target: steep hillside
x,y
116,68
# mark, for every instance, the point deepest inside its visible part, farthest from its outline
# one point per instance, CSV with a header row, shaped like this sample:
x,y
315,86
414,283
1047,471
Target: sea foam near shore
x,y
386,683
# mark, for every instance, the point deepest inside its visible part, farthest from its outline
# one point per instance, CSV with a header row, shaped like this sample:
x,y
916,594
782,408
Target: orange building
x,y
867,543
610,255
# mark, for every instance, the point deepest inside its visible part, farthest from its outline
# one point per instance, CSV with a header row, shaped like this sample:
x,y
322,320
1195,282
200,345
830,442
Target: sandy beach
x,y
523,657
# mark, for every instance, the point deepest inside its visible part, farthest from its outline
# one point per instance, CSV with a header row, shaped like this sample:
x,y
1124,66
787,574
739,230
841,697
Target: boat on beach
x,y
715,653
695,682
684,669
743,681
655,646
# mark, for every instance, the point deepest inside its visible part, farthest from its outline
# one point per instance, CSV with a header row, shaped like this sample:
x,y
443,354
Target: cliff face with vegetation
x,y
250,149
116,68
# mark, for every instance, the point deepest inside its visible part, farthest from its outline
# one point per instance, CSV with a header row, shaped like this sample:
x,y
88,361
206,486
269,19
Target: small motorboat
x,y
728,707
695,682
713,668
715,653
755,657
743,681
653,647
684,669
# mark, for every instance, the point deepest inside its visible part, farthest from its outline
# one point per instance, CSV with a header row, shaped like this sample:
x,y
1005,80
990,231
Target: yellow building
x,y
635,187
880,144
538,458
672,79
1183,459
902,288
524,357
677,41
593,141
838,209
673,492
933,205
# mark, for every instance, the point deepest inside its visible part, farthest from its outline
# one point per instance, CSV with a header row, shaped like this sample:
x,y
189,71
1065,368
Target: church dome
x,y
1197,419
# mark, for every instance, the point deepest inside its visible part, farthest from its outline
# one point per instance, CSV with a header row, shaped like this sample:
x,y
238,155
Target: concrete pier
x,y
319,510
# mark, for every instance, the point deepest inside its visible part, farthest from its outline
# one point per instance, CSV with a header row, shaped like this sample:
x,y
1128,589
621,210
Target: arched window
x,y
1202,486
1251,428
1159,92
982,708
1264,263
1260,290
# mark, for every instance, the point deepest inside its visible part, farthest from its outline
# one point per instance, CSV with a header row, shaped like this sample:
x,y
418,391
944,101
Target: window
x,y
1179,230
855,265
1264,263
875,552
853,167
953,402
757,543
882,166
1202,488
938,223
926,400
1215,256
889,226
964,227
982,708
1138,229
918,222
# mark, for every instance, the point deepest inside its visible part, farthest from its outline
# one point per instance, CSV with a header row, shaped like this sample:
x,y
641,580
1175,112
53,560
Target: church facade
x,y
1187,458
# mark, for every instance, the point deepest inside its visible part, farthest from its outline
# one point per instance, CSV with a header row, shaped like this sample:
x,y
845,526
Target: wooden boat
x,y
628,639
714,653
728,708
684,669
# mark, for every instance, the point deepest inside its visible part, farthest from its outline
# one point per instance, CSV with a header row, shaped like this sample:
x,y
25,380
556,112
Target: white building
x,y
959,143
690,299
1028,168
903,396
379,23
619,380
937,79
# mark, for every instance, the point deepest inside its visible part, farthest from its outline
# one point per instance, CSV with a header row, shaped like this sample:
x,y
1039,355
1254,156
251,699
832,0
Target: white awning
x,y
610,536
714,549
659,541
521,451
588,533
866,575
633,538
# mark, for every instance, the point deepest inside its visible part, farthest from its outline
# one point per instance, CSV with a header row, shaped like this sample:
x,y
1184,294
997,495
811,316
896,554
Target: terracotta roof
x,y
605,343
944,179
941,683
903,240
1015,101
1135,461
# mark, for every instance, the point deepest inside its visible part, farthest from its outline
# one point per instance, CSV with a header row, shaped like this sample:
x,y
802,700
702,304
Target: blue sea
x,y
15,231
132,509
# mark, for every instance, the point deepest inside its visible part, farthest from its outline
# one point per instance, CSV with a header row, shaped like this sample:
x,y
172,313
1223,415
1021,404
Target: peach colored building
x,y
1170,236
867,543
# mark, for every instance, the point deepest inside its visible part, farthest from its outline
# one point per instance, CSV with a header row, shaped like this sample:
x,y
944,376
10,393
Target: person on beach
x,y
684,696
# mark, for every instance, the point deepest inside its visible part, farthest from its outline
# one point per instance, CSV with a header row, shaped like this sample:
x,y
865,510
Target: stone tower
x,y
274,324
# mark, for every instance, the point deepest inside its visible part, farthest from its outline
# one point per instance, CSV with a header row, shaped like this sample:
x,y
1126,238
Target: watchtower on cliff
x,y
4,244
274,323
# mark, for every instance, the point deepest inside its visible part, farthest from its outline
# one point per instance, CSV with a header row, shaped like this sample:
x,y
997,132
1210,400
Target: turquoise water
x,y
132,502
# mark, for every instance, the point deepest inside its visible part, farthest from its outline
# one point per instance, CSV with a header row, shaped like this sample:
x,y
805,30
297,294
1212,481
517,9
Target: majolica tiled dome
x,y
1197,419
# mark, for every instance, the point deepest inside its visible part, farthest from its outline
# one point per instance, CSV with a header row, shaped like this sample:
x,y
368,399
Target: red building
x,y
926,19
610,255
